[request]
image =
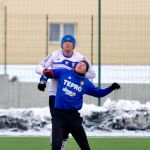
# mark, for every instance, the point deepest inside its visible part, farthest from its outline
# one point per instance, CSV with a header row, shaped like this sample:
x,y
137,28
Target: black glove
x,y
41,86
115,86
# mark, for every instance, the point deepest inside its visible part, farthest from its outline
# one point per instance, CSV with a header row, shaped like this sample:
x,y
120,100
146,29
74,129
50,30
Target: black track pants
x,y
52,112
51,104
64,121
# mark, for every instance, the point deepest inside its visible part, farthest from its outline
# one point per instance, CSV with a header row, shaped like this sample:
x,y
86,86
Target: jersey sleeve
x,y
95,91
91,74
57,73
44,64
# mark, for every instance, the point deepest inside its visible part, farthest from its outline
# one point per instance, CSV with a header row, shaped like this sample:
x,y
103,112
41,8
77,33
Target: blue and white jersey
x,y
58,60
71,88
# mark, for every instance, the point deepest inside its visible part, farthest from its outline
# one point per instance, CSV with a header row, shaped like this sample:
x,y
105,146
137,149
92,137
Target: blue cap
x,y
69,38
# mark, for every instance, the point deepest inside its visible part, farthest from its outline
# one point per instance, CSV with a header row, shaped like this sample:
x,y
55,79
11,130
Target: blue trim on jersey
x,y
68,63
43,78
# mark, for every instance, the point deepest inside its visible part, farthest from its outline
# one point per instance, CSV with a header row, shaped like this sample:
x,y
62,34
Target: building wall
x,y
26,95
126,32
27,32
125,29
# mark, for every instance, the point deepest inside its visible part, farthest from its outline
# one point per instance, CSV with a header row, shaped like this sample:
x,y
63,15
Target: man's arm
x,y
49,74
42,83
97,92
44,64
54,73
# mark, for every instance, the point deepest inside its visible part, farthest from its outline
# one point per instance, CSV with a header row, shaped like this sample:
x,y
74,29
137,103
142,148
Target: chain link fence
x,y
25,38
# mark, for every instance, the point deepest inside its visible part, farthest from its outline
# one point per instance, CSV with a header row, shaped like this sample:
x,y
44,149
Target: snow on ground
x,y
114,118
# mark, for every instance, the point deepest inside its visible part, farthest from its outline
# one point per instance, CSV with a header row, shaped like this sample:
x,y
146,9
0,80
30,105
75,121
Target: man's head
x,y
68,42
82,67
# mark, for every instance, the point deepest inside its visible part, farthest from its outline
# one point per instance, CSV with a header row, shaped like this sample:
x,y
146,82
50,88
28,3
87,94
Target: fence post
x,y
92,39
5,42
99,48
47,35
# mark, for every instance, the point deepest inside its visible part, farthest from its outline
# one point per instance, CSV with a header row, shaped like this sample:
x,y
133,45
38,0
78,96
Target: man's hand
x,y
41,86
115,86
48,73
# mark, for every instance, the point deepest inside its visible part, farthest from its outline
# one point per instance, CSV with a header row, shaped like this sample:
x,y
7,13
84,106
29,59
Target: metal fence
x,y
125,33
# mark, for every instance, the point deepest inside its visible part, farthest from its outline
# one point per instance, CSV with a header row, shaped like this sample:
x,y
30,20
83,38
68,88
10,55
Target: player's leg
x,y
51,104
51,108
64,144
65,138
57,136
79,134
59,129
52,111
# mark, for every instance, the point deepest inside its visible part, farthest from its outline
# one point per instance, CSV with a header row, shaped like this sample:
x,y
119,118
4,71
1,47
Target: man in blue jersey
x,y
67,58
72,84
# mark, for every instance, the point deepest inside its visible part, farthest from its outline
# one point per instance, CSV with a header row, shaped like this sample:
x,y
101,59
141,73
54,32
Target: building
x,y
30,29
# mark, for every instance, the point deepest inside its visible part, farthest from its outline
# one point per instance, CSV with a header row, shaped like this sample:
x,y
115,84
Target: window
x,y
69,29
56,31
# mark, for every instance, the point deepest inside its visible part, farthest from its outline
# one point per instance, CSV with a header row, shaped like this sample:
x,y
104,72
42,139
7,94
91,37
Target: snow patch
x,y
124,118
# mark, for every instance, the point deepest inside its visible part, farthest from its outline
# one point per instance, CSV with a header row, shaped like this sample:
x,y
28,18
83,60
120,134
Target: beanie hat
x,y
69,38
87,65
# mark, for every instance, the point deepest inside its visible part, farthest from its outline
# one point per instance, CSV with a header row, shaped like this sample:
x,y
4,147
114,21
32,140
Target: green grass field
x,y
42,143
